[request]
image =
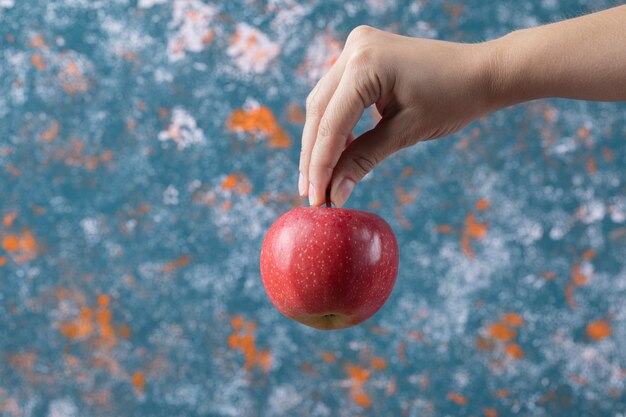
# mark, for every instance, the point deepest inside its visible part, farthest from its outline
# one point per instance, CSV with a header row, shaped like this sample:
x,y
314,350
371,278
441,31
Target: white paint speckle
x,y
62,407
183,130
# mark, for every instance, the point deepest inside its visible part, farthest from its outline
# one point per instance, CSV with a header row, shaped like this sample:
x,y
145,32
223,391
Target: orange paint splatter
x,y
599,330
139,381
238,183
379,363
513,319
23,362
72,79
579,379
482,204
407,172
583,132
237,322
514,351
264,360
607,154
550,114
9,218
592,168
79,328
503,393
589,254
227,205
502,332
38,62
242,339
490,412
11,243
13,170
380,330
405,197
91,322
295,114
358,377
3,260
125,331
51,132
484,345
444,228
328,357
259,120
103,300
208,37
362,399
229,182
37,42
417,336
457,398
176,264
28,242
578,278
472,230
22,247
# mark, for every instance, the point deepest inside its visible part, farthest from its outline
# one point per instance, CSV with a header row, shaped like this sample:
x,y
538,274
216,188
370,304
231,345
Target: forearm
x,y
581,58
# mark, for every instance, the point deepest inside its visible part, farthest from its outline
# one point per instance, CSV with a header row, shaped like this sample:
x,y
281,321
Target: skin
x,y
426,89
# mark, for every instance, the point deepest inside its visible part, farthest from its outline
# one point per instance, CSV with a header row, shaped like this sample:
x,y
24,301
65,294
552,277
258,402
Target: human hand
x,y
424,89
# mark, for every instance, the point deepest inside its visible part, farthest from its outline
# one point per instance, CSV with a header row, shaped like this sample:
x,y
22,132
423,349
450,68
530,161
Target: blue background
x,y
134,204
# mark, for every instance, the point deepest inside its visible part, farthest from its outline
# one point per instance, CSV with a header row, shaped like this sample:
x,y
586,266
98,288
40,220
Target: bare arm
x,y
581,58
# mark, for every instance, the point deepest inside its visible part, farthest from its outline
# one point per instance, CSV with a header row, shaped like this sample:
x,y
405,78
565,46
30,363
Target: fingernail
x,y
312,200
344,189
301,185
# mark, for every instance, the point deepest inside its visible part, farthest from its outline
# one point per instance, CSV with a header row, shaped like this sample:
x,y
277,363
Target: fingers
x,y
316,104
357,90
364,154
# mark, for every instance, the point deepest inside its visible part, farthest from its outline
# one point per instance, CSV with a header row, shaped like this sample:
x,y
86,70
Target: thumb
x,y
363,154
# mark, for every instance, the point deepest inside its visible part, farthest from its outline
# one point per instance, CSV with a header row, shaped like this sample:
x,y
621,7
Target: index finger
x,y
341,116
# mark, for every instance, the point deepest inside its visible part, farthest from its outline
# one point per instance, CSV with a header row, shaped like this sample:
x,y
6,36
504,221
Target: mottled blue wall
x,y
145,147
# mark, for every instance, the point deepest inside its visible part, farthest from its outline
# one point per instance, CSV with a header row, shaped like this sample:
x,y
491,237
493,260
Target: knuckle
x,y
320,170
324,129
364,163
362,58
317,167
312,106
364,72
360,33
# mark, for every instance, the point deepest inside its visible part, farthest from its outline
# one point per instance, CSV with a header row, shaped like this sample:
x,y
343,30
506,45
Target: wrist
x,y
511,75
507,80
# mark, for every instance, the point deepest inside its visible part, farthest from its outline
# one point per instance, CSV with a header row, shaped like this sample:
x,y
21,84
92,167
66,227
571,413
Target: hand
x,y
424,89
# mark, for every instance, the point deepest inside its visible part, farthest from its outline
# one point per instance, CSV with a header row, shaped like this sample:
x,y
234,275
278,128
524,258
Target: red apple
x,y
329,268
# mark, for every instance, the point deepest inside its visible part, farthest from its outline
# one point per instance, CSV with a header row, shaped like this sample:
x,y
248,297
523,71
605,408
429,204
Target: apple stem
x,y
328,197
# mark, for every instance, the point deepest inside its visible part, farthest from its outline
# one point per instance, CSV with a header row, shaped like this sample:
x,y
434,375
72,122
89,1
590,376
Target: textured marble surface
x,y
146,146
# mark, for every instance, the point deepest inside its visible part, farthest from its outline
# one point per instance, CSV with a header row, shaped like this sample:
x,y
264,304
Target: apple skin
x,y
329,268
